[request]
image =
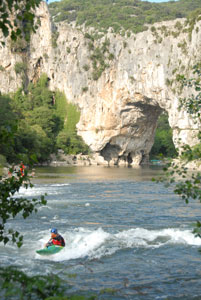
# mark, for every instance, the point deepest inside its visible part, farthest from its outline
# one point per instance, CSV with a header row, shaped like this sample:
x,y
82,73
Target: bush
x,y
20,67
2,69
18,46
55,36
2,160
86,67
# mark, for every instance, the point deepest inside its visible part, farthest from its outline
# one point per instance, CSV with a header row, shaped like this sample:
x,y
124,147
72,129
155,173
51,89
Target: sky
x,y
156,1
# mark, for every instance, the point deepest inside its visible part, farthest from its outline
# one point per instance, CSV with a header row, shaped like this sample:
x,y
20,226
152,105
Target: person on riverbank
x,y
56,239
22,168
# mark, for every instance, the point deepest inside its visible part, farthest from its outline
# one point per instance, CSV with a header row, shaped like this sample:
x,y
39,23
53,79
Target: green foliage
x,y
188,184
192,104
8,127
2,161
67,139
41,122
11,206
183,46
22,12
32,119
38,123
108,291
46,56
178,25
197,229
2,69
120,14
193,17
86,67
61,105
20,67
55,36
100,58
15,283
85,89
19,45
191,153
163,144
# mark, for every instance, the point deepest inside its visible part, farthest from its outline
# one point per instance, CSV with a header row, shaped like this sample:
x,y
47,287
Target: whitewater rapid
x,y
98,243
123,233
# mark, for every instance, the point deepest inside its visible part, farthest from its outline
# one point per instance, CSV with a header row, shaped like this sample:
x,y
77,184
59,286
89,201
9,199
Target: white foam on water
x,y
155,238
82,242
182,237
44,207
59,184
39,190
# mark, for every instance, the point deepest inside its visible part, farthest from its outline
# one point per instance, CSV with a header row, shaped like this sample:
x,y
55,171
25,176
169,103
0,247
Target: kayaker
x,y
56,239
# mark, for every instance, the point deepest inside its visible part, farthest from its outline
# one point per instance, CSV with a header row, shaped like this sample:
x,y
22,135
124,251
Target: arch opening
x,y
163,146
134,139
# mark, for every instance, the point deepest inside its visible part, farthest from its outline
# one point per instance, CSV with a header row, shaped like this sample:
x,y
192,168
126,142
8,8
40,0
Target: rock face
x,y
121,84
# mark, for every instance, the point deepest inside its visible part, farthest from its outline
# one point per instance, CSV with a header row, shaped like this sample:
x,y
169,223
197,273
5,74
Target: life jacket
x,y
58,240
22,167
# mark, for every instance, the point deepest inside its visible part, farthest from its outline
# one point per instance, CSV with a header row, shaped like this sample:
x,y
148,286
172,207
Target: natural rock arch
x,y
119,108
131,146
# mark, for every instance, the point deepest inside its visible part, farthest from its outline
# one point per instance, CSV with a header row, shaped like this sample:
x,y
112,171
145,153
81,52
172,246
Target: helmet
x,y
54,230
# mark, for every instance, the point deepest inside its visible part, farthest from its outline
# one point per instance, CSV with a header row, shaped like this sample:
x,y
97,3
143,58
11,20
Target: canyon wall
x,y
121,84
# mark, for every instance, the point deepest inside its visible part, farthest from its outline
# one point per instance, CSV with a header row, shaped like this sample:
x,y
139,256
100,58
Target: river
x,y
126,236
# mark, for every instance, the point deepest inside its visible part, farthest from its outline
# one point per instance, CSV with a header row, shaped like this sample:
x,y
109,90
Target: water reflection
x,y
95,173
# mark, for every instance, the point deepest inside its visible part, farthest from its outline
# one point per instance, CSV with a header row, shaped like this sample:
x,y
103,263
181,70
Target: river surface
x,y
126,236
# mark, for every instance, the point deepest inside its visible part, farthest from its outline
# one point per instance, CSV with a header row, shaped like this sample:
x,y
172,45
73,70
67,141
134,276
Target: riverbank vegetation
x,y
121,15
67,139
41,122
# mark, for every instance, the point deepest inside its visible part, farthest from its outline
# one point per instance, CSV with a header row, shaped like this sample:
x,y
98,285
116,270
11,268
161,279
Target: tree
x,y
38,121
188,185
23,15
12,206
8,127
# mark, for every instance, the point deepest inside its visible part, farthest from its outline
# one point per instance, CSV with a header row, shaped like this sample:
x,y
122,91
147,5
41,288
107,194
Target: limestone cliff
x,y
121,84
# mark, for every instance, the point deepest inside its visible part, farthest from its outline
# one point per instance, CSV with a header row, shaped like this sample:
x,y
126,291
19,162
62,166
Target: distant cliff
x,y
121,85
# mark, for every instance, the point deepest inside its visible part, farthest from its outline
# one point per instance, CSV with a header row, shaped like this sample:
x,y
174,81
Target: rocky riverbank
x,y
61,159
95,159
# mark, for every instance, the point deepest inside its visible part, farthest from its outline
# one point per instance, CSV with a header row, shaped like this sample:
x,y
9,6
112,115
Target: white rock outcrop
x,y
119,110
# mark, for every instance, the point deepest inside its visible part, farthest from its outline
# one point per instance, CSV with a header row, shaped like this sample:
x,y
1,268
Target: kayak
x,y
49,250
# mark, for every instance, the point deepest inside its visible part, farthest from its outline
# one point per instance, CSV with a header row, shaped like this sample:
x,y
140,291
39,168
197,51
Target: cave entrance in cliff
x,y
163,146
